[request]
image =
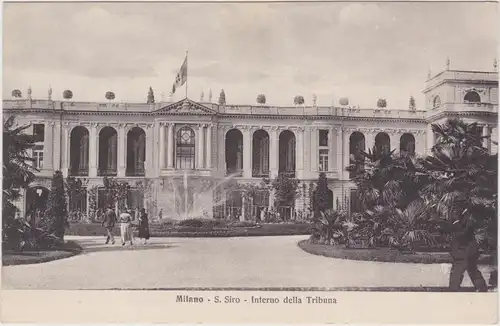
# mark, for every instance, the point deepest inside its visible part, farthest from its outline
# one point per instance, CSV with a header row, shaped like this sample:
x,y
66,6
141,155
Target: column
x,y
314,151
209,147
122,150
221,147
395,141
369,140
339,151
162,146
66,149
345,149
243,210
201,146
299,153
48,146
273,152
148,165
487,139
431,138
93,150
247,152
57,147
170,146
331,161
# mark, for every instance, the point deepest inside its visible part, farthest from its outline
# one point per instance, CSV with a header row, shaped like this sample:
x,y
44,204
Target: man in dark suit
x,y
464,252
109,223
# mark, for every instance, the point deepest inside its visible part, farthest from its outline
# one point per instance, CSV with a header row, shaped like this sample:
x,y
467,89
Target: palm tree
x,y
261,99
67,94
18,170
298,100
16,93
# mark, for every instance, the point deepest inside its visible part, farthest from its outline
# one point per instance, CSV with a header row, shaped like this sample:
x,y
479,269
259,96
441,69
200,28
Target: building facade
x,y
178,156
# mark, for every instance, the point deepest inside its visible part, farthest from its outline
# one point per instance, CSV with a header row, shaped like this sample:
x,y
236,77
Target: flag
x,y
181,77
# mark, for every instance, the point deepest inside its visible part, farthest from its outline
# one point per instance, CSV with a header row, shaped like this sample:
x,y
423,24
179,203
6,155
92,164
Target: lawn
x,y
223,229
382,254
69,249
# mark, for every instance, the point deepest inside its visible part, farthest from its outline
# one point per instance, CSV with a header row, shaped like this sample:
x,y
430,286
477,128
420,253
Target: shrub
x,y
201,222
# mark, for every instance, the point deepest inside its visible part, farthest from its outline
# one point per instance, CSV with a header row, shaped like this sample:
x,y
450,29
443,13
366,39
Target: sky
x,y
362,51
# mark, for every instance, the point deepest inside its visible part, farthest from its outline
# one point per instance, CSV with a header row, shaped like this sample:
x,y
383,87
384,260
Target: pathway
x,y
253,262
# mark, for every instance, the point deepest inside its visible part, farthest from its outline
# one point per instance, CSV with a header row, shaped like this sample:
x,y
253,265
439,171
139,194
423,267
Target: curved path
x,y
253,262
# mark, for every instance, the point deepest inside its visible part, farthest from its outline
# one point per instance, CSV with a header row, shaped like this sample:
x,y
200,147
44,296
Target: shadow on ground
x,y
93,247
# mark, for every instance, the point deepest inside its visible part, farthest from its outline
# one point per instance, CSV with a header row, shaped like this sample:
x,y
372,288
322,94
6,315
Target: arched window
x,y
185,149
407,144
472,97
437,102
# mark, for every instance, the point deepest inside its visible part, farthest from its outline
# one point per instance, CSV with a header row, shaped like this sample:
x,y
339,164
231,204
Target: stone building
x,y
177,156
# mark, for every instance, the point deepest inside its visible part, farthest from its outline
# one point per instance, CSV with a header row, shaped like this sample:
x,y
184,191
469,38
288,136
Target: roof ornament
x,y
495,64
202,95
50,93
429,72
210,95
314,98
29,92
447,63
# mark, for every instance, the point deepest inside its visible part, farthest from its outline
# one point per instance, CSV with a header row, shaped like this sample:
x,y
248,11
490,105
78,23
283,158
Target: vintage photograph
x,y
323,146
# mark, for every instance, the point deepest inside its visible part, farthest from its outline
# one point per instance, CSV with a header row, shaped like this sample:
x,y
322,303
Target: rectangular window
x,y
323,160
39,132
38,156
323,138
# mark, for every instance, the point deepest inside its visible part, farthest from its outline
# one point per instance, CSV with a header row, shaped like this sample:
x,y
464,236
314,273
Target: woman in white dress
x,y
125,230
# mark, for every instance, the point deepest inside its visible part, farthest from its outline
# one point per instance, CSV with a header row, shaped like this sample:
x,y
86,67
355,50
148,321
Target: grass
x,y
69,249
382,254
238,229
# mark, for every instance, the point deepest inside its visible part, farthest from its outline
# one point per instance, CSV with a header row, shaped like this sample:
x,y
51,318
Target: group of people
x,y
125,219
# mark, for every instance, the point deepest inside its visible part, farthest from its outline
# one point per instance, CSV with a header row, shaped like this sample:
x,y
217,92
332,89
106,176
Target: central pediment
x,y
186,106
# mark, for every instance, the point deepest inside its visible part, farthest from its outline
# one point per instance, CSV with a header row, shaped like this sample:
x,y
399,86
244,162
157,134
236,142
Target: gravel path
x,y
253,262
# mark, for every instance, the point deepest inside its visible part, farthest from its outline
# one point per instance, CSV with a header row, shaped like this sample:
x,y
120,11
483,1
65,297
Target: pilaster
x,y
162,146
247,152
93,150
487,137
149,168
48,147
170,146
65,146
331,148
121,151
273,152
209,147
338,151
201,146
299,153
314,150
57,147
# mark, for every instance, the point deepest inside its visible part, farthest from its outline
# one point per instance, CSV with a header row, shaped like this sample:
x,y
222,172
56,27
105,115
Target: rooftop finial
x,y
50,93
447,63
210,95
202,95
314,98
429,72
29,92
495,64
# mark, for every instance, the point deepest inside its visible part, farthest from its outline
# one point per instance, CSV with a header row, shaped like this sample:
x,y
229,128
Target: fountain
x,y
184,198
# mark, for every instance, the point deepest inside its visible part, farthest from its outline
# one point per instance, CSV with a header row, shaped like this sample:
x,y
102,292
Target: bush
x,y
201,222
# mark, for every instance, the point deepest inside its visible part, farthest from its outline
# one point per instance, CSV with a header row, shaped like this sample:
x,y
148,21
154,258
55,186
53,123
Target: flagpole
x,y
186,74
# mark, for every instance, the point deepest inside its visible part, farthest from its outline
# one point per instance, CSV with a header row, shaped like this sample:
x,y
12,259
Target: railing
x,y
289,174
79,172
260,174
107,172
234,172
135,173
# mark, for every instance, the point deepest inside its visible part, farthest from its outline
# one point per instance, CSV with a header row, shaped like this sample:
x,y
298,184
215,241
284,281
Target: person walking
x,y
125,231
464,253
109,223
144,226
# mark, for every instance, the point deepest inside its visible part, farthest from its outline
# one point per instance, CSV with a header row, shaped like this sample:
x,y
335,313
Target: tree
x,y
18,172
56,214
321,195
151,96
110,95
67,94
411,104
74,190
261,99
285,190
16,93
298,100
222,98
115,192
381,103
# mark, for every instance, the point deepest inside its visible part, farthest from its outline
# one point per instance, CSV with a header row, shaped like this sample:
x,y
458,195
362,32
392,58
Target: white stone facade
x,y
153,132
